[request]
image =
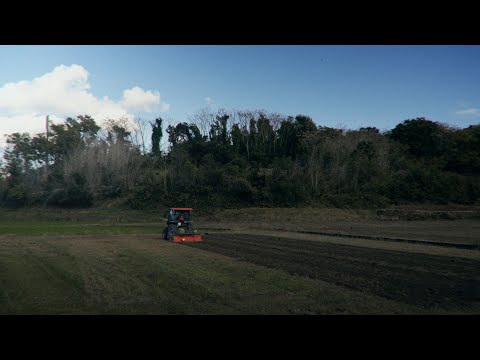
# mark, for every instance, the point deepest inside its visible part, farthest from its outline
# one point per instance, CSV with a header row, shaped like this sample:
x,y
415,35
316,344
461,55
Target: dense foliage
x,y
242,158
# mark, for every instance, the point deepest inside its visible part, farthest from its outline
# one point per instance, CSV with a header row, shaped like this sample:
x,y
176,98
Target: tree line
x,y
241,158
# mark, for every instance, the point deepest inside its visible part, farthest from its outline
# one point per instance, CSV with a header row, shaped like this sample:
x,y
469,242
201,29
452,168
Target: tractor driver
x,y
171,215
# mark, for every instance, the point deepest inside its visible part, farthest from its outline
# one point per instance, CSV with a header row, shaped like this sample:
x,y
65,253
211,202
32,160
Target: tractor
x,y
179,226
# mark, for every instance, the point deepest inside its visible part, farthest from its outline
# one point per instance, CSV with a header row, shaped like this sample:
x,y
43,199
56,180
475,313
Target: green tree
x,y
422,137
156,135
464,153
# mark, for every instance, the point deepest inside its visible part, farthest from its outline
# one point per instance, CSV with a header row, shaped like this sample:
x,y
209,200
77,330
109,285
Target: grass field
x,y
116,263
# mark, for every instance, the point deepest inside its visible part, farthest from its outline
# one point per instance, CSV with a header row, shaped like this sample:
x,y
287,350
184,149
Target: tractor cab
x,y
179,226
176,215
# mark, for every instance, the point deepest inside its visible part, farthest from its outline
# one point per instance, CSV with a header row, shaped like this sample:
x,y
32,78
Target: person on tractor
x,y
171,215
179,227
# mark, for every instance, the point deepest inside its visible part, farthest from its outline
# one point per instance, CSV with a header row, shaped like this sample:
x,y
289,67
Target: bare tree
x,y
110,165
140,127
203,119
242,119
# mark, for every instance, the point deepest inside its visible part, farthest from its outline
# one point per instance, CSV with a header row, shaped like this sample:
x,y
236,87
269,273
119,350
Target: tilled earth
x,y
430,281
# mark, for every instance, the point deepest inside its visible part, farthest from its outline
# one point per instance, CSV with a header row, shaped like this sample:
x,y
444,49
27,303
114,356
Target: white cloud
x,y
470,111
138,99
63,92
31,123
208,100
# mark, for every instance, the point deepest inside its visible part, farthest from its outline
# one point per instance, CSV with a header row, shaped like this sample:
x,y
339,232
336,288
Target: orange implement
x,y
186,238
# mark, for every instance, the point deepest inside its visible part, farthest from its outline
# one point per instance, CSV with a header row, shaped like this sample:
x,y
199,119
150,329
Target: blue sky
x,y
340,86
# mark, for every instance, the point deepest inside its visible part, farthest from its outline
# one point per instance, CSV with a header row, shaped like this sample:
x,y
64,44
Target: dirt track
x,y
430,281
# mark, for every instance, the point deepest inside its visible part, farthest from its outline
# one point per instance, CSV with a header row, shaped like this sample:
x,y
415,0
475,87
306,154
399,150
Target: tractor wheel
x,y
170,232
164,234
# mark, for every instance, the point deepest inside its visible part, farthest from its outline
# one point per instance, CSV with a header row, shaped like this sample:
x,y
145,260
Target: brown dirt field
x,y
421,248
355,222
458,231
434,282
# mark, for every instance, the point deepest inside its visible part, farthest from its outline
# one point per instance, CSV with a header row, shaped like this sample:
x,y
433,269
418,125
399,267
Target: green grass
x,y
114,214
104,215
68,228
98,262
139,274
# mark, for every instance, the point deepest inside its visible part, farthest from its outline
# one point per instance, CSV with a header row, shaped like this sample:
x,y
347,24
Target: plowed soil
x,y
429,281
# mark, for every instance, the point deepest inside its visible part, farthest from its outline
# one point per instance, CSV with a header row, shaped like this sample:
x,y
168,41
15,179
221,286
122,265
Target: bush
x,y
418,184
238,187
16,195
75,193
